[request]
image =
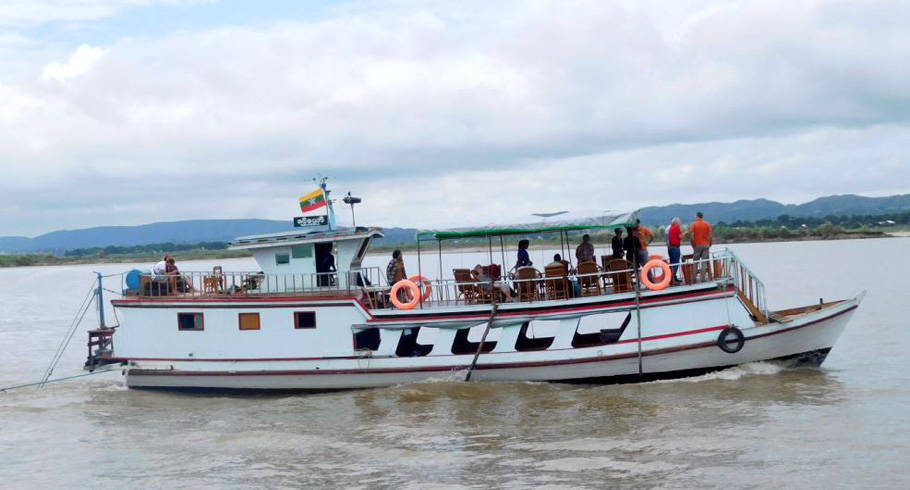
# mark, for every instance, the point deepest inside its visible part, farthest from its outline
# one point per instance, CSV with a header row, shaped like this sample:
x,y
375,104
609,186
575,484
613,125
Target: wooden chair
x,y
556,284
620,271
215,283
487,292
590,284
688,268
467,286
528,283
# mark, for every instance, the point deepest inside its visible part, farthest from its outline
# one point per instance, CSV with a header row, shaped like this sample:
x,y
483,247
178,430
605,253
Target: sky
x,y
439,113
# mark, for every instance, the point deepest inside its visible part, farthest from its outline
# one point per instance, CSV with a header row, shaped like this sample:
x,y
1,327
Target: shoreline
x,y
42,260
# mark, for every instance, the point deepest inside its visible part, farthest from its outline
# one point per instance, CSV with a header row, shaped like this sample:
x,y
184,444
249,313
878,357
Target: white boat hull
x,y
664,354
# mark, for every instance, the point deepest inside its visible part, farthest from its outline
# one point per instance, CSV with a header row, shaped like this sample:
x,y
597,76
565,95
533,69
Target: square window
x,y
282,259
248,321
302,251
190,321
304,319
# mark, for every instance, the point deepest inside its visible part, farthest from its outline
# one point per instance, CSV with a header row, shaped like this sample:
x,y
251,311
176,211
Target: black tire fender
x,y
724,342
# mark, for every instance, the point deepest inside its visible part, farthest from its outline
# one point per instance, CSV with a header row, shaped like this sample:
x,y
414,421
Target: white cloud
x,y
79,63
18,12
470,99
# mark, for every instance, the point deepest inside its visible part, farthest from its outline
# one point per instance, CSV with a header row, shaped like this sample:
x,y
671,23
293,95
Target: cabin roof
x,y
296,237
603,222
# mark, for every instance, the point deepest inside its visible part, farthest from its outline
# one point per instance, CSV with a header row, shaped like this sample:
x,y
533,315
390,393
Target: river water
x,y
846,424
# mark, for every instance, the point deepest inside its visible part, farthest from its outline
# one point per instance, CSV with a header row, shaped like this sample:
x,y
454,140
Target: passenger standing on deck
x,y
701,237
674,241
645,236
631,245
523,258
617,244
394,272
585,251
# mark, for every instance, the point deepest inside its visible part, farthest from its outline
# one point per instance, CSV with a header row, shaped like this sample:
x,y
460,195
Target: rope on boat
x,y
55,380
482,340
74,325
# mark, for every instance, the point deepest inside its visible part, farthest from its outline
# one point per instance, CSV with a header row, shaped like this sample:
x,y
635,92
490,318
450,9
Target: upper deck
x,y
369,286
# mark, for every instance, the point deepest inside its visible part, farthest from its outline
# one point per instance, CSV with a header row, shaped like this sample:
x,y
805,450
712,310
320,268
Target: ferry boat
x,y
314,317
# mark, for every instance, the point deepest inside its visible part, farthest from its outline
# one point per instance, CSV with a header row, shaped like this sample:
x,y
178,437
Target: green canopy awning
x,y
604,222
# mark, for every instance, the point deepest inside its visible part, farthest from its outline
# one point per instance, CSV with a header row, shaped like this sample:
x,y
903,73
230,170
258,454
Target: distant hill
x,y
195,231
756,209
191,231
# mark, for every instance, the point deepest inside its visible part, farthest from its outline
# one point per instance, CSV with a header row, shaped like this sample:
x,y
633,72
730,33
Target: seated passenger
x,y
523,258
557,260
159,277
176,280
485,281
585,251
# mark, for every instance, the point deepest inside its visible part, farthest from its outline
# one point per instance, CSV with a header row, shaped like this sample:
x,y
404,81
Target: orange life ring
x,y
664,280
427,285
413,293
661,258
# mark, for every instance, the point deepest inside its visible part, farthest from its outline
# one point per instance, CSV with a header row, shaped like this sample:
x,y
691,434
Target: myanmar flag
x,y
313,200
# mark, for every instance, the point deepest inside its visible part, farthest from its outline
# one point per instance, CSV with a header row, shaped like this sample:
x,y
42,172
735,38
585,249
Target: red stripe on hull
x,y
448,368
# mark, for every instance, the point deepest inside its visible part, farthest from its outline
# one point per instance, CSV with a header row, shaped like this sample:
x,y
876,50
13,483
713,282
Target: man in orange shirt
x,y
701,238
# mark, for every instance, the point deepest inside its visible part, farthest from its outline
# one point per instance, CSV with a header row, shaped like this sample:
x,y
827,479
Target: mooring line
x,y
61,348
55,380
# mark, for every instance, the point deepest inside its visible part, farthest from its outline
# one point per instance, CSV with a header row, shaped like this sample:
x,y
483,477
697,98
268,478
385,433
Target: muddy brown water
x,y
759,425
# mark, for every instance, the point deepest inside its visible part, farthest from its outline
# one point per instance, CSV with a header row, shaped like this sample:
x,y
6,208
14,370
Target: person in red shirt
x,y
674,241
702,238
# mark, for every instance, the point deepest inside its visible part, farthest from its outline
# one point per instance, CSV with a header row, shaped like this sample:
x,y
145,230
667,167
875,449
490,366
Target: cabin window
x,y
282,259
302,251
367,339
601,329
408,345
248,321
362,250
190,321
304,319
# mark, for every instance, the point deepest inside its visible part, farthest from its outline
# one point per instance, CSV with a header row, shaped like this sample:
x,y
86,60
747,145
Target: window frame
x,y
249,313
194,329
297,315
287,256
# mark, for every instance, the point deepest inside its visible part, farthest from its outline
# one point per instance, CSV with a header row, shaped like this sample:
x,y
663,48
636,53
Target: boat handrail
x,y
250,283
368,283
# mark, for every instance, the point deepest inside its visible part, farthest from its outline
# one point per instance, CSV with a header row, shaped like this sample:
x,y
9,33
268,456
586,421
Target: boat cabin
x,y
331,258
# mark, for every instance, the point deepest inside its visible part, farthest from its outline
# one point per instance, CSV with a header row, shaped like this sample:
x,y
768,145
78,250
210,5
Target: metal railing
x,y
368,284
211,283
723,265
749,286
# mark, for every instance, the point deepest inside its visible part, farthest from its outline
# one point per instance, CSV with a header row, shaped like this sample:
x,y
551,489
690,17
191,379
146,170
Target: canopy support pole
x,y
490,240
419,271
502,250
636,284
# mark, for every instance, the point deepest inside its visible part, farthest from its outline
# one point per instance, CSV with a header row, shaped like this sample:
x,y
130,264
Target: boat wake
x,y
761,368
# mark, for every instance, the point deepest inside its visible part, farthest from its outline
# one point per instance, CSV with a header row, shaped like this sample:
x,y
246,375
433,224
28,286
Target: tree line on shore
x,y
784,227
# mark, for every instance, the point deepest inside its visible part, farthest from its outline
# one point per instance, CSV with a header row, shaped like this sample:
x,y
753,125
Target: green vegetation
x,y
782,228
143,250
21,260
139,253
